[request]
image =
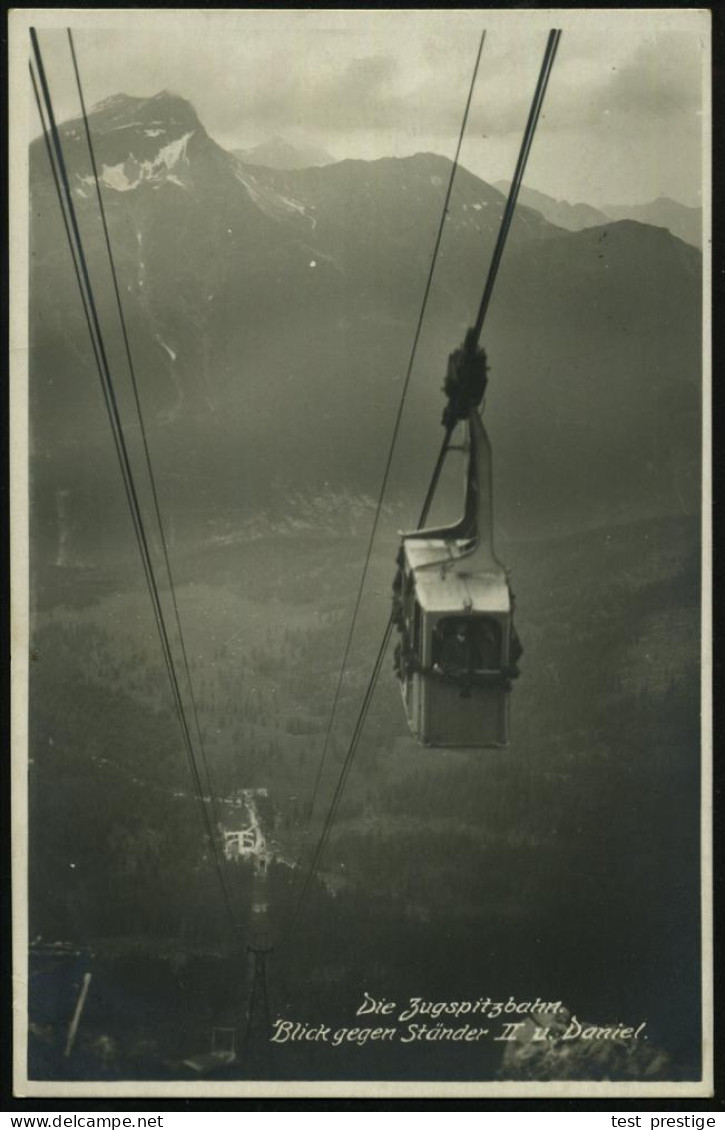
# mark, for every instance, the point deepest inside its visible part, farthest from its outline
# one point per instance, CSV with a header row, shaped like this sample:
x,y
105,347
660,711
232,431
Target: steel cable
x,y
62,185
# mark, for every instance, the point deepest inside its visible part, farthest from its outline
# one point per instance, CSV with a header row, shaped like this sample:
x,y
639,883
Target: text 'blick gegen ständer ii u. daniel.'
x,y
466,1021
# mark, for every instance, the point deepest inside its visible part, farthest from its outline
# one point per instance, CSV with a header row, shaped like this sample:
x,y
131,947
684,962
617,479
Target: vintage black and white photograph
x,y
361,716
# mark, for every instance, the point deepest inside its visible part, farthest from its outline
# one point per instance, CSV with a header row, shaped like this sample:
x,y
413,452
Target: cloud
x,y
339,74
369,77
368,84
662,78
336,96
656,80
362,95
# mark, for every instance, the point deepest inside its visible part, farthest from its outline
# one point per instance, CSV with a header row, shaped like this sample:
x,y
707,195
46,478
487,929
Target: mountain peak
x,y
278,153
170,97
164,110
114,101
663,212
138,140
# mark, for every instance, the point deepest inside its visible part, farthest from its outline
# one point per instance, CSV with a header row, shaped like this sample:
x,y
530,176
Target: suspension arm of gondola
x,y
445,448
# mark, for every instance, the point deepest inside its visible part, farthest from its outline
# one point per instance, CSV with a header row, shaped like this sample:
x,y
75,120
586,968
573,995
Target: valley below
x,y
553,869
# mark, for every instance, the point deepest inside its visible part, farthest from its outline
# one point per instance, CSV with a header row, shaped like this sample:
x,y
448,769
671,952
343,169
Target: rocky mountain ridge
x,y
271,315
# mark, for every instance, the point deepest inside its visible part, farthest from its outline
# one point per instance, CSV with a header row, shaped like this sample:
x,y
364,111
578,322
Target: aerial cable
x,y
349,756
548,61
342,780
94,342
474,335
386,473
90,310
88,302
394,436
142,427
84,302
549,54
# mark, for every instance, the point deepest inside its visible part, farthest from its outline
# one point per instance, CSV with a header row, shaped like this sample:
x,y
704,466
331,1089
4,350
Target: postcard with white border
x,y
360,409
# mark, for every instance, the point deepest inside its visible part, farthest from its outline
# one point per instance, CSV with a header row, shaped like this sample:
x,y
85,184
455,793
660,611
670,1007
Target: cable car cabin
x,y
453,607
454,681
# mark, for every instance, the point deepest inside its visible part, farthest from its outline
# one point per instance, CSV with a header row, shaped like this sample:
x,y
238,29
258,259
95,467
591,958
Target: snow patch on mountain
x,y
295,206
129,174
114,176
272,203
172,153
168,348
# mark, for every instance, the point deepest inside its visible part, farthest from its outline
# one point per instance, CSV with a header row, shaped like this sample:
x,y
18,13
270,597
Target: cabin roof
x,y
451,589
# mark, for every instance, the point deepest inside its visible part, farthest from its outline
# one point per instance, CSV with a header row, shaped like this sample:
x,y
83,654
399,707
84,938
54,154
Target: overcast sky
x,y
622,120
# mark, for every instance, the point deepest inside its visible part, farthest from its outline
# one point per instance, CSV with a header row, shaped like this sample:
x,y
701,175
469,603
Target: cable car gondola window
x,y
467,644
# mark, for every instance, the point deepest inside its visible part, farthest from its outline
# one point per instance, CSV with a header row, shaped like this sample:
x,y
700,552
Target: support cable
x,y
60,175
143,432
394,436
342,780
548,61
549,54
86,311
